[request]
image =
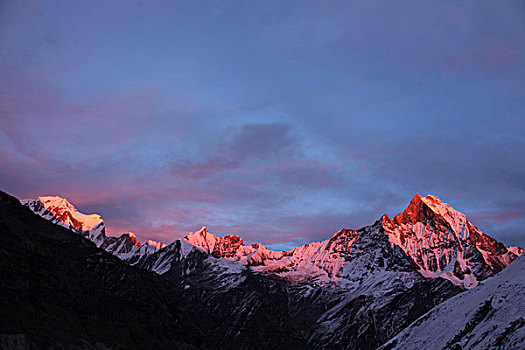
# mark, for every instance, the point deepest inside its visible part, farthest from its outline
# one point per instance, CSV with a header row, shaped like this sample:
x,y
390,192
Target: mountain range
x,y
358,289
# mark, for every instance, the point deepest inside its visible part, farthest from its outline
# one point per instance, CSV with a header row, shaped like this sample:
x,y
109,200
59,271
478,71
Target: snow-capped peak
x,y
61,212
69,215
223,247
516,250
443,243
157,245
202,239
133,238
436,237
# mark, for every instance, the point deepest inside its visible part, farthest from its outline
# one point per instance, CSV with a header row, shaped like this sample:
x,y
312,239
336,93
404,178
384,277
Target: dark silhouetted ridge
x,y
58,291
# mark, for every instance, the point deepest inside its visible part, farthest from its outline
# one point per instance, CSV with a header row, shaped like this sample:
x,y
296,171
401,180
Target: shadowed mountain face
x,y
59,291
491,316
381,292
238,307
356,290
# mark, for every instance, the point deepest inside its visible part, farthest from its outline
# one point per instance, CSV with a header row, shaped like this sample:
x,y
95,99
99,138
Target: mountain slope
x,y
355,290
61,212
239,308
375,294
487,317
438,239
443,243
379,292
60,291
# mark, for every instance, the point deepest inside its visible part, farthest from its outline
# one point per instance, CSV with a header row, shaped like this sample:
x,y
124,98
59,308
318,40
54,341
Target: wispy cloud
x,y
281,123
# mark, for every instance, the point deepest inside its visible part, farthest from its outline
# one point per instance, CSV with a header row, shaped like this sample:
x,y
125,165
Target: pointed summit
x,y
217,246
202,239
91,226
134,239
61,212
416,211
157,245
69,215
432,209
443,243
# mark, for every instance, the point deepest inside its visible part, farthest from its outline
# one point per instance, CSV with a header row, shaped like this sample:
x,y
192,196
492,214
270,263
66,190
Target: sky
x,y
280,121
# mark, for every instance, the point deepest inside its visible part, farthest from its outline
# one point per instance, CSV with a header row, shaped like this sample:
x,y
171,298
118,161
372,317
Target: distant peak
x,y
202,239
66,213
133,238
217,246
431,207
431,201
516,250
157,245
203,230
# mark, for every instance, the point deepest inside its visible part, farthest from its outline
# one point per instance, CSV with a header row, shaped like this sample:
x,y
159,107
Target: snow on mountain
x,y
240,308
157,245
335,289
320,262
189,262
356,289
61,212
333,294
491,316
443,243
232,247
129,249
439,239
518,251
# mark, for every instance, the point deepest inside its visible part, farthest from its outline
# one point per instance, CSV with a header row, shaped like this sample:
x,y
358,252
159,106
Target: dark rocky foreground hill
x,y
58,291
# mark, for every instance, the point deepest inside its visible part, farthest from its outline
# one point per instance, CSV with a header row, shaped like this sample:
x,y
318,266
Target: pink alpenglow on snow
x,y
439,239
429,233
157,245
61,212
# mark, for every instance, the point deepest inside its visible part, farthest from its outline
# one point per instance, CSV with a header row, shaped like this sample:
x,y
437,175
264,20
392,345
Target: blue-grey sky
x,y
281,121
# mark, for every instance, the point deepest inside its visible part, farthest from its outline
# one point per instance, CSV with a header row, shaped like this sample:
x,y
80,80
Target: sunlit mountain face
x,y
357,289
437,239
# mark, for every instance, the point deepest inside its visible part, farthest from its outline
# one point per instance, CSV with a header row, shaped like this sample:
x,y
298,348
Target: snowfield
x,y
491,316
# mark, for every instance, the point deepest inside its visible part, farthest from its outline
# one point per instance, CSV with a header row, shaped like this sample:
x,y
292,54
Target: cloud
x,y
282,123
270,142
